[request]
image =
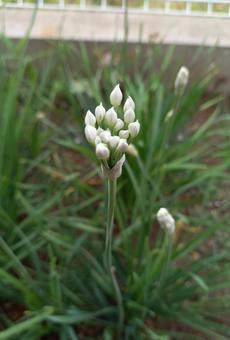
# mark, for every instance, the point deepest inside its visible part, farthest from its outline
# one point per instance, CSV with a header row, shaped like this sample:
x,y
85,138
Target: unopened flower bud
x,y
181,80
113,141
116,96
169,115
119,124
166,221
100,113
124,134
134,128
90,133
105,136
90,119
131,150
40,115
102,151
97,140
122,146
99,131
111,117
129,104
129,116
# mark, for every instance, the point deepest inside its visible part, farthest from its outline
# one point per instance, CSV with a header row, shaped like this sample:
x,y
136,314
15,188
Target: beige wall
x,y
107,26
186,33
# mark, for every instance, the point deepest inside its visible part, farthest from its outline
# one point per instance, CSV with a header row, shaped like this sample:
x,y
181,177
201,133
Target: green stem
x,y
167,263
112,185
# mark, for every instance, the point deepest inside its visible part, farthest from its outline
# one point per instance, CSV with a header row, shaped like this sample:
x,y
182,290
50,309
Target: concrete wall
x,y
186,33
106,26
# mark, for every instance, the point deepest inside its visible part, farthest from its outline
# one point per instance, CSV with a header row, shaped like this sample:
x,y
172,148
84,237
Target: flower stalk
x,y
112,184
111,136
167,223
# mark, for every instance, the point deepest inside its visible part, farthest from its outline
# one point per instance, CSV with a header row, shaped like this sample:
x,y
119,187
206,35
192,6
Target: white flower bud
x,y
99,131
100,113
102,151
124,134
105,136
119,124
181,80
113,141
116,96
129,104
90,133
131,150
169,115
97,140
122,146
129,116
166,221
90,119
111,117
134,128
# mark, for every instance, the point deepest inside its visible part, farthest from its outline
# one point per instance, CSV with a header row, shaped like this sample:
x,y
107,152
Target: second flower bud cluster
x,y
110,134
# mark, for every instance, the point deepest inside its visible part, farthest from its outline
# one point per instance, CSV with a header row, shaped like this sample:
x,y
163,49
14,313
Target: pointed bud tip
x,y
116,96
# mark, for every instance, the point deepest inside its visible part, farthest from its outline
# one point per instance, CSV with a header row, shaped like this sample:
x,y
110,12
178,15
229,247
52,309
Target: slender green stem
x,y
119,300
167,263
112,185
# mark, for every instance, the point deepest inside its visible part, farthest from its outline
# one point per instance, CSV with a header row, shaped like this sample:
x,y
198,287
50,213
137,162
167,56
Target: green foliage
x,y
52,200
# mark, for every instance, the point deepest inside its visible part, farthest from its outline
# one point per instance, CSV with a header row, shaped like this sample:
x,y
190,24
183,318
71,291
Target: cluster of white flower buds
x,y
181,81
166,221
110,134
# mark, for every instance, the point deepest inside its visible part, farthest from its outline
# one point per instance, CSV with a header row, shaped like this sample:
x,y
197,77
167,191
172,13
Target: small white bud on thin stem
x,y
129,116
90,133
99,131
111,117
116,96
119,124
166,221
90,119
100,113
131,150
129,104
97,140
105,136
102,151
124,134
181,80
113,141
134,128
122,146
